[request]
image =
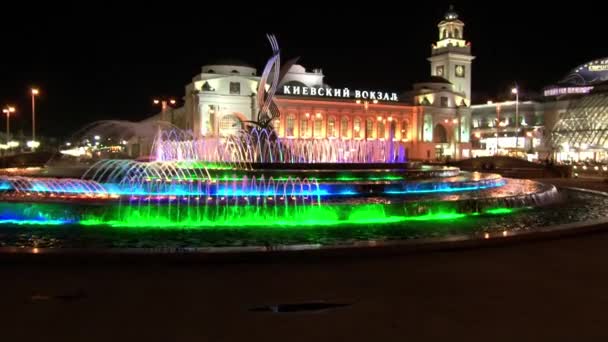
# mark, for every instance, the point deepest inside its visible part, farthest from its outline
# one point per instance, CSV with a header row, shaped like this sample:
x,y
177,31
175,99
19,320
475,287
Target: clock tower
x,y
451,55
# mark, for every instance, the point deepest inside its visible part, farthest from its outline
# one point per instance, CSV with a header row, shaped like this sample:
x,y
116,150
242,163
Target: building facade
x,y
431,121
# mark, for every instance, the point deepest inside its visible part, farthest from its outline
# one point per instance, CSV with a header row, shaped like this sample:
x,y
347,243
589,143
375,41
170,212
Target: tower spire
x,y
451,14
451,55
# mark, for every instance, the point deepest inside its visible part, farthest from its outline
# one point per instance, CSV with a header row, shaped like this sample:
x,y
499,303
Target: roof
x,y
230,61
435,79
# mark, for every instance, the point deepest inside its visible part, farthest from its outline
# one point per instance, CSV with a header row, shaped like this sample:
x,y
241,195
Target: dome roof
x,y
591,73
230,61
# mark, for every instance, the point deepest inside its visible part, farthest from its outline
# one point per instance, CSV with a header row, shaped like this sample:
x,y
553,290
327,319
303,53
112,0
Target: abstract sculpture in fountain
x,y
272,76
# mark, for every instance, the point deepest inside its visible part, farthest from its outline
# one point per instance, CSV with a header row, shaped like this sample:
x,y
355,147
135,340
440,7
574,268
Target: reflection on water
x,y
577,207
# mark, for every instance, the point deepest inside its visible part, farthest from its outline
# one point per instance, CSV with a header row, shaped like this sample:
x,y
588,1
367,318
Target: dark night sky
x,y
108,62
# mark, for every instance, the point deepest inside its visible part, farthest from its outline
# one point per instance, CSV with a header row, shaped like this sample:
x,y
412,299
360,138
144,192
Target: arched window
x,y
440,135
229,124
393,129
357,128
318,128
457,33
277,126
331,127
369,128
443,34
289,127
381,130
234,71
303,126
210,71
344,127
405,129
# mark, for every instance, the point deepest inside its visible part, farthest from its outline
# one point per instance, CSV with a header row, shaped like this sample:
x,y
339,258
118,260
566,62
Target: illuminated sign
x,y
340,93
567,91
588,74
598,67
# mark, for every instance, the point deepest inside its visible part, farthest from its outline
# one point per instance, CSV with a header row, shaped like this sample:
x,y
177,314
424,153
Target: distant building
x,y
569,122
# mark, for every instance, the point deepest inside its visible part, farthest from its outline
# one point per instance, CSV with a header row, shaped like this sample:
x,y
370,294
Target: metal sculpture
x,y
272,76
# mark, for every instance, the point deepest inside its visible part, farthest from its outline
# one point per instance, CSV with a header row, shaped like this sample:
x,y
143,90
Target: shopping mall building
x,y
431,120
569,121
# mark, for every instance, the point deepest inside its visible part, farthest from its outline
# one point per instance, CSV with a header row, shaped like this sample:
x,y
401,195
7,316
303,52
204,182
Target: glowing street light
x,y
33,144
497,127
164,103
516,92
8,110
34,93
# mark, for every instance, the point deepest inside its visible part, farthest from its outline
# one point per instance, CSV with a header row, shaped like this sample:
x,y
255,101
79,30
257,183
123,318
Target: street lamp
x,y
8,110
516,92
34,92
497,126
164,105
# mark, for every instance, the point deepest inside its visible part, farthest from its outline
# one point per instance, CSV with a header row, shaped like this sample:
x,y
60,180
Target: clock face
x,y
439,71
460,70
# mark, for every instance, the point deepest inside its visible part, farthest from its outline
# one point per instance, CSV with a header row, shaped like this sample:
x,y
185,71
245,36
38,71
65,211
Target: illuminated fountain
x,y
245,192
263,146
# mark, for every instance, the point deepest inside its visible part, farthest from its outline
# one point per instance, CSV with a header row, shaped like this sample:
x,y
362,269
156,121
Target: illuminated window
x,y
381,125
229,124
304,127
392,129
291,123
405,130
344,127
277,126
235,88
369,128
357,128
318,128
331,127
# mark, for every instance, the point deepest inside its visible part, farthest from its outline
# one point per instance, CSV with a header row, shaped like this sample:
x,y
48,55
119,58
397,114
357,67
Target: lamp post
x,y
8,110
497,126
164,105
516,92
34,93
